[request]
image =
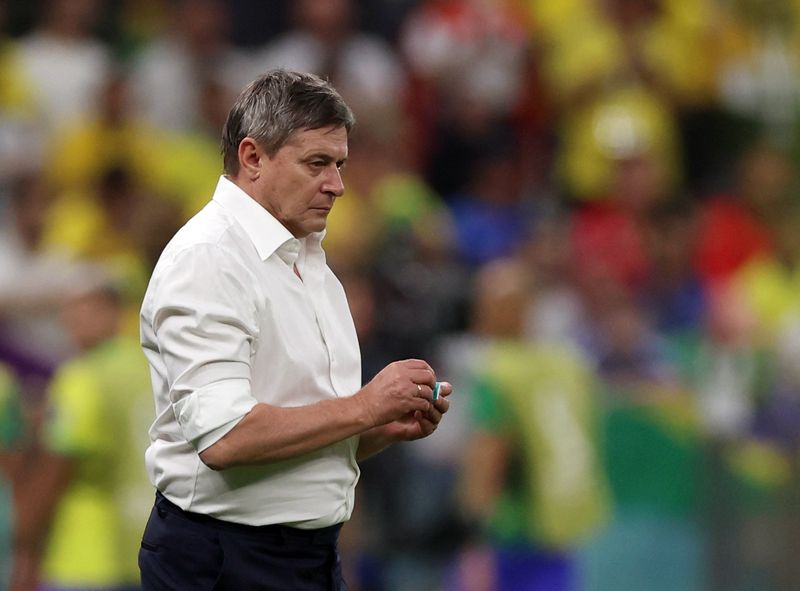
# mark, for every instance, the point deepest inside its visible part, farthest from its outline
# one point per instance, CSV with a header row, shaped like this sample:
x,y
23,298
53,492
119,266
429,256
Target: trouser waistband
x,y
322,536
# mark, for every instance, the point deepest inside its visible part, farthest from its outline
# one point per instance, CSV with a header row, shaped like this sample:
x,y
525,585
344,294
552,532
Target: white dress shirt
x,y
225,324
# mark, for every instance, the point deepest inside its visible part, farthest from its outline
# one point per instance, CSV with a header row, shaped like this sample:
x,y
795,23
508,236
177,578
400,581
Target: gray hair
x,y
275,105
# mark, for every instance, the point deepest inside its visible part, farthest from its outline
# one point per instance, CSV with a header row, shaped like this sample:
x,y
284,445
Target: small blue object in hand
x,y
436,389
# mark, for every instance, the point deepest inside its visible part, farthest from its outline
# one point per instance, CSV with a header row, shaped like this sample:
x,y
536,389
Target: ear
x,y
250,158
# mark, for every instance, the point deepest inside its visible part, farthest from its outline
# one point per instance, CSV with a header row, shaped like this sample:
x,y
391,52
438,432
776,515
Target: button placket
x,y
315,288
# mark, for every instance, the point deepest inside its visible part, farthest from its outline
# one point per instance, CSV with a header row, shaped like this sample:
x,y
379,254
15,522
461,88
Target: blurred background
x,y
584,213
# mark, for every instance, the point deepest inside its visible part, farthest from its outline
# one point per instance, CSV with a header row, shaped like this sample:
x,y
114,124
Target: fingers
x,y
421,371
423,376
437,392
409,386
445,389
423,391
442,405
416,364
426,425
424,420
437,410
428,422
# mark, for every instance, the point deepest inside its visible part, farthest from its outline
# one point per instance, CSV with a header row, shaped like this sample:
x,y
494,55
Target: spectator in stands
x,y
468,48
467,62
736,226
757,75
491,216
107,135
620,69
556,314
673,295
117,224
608,234
20,135
64,64
325,40
172,70
33,281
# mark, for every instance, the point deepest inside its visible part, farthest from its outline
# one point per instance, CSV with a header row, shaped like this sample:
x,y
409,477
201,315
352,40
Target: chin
x,y
318,226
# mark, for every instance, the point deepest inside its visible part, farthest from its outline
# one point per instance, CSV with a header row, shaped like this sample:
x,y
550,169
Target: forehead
x,y
329,140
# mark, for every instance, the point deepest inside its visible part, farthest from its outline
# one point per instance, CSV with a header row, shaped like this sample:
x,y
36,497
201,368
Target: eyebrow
x,y
325,157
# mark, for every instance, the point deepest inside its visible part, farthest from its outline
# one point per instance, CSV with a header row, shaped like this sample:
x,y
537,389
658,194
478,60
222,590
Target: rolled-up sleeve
x,y
204,318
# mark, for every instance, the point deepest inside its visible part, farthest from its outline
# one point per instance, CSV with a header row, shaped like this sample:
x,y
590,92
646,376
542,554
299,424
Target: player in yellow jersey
x,y
86,496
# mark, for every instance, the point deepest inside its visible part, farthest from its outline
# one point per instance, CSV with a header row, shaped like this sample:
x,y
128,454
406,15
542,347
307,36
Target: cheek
x,y
304,196
291,192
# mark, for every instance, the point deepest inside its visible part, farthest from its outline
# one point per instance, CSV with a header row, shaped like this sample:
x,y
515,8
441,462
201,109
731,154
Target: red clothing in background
x,y
729,235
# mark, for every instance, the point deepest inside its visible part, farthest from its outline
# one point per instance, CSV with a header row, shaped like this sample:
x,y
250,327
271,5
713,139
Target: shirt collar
x,y
267,233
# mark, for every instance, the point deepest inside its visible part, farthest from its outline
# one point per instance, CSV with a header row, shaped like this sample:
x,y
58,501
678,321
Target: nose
x,y
333,182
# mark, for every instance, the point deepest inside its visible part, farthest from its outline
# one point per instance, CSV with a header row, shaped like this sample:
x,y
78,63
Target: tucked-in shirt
x,y
227,323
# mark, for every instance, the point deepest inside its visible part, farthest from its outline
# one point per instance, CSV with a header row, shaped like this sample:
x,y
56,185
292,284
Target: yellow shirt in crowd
x,y
100,406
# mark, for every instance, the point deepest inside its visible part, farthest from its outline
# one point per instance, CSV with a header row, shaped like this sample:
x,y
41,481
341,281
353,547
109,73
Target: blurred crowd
x,y
583,213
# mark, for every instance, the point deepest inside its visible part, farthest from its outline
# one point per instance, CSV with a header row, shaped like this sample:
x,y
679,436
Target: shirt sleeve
x,y
204,318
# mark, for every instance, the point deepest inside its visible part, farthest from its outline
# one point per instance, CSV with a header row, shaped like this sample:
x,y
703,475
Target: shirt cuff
x,y
209,412
209,439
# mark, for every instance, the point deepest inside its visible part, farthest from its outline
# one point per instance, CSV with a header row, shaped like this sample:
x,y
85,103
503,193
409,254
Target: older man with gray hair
x,y
260,413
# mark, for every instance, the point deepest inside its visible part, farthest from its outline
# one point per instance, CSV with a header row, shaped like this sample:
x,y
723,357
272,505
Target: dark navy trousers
x,y
184,551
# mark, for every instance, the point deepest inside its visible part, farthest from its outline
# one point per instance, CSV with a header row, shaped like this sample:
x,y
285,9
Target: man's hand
x,y
399,391
412,425
420,424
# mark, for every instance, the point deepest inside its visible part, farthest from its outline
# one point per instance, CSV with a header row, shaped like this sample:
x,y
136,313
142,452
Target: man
x,y
255,363
84,496
531,480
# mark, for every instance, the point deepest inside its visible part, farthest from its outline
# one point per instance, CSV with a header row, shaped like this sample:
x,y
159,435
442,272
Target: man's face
x,y
299,184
